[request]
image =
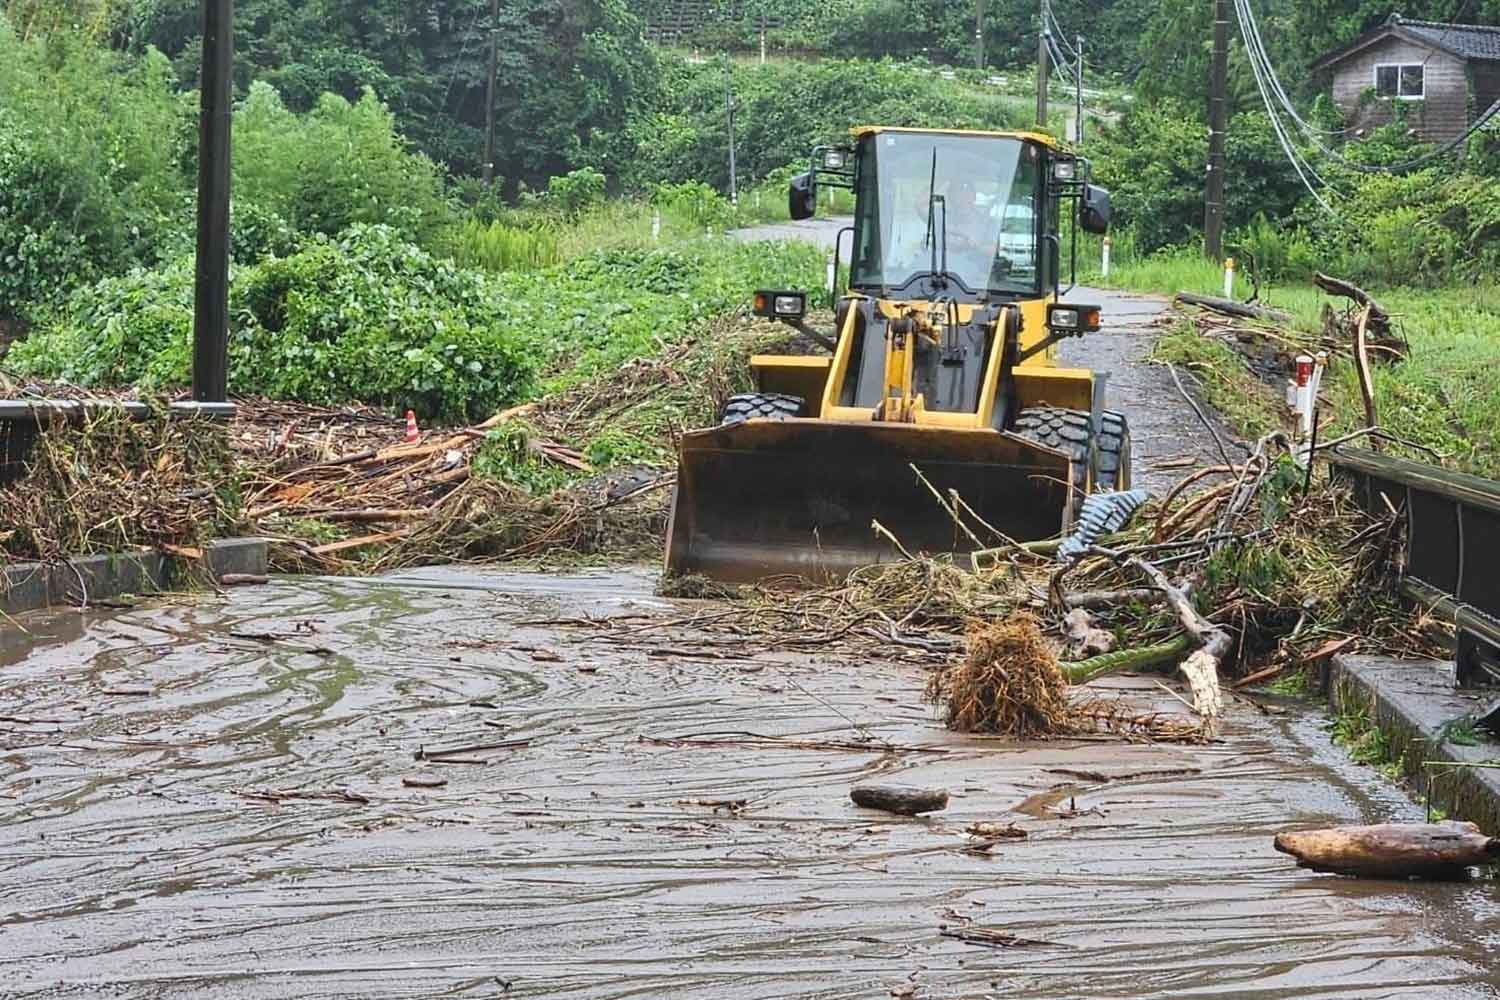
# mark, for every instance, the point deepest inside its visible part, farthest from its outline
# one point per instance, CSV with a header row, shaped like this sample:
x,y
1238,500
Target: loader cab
x,y
974,217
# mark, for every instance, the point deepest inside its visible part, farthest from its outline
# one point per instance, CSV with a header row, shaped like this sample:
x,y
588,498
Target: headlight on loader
x,y
780,305
1068,320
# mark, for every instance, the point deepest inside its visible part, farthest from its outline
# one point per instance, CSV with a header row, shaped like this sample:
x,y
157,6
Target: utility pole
x,y
979,34
489,95
734,197
1041,68
1078,80
211,288
1213,207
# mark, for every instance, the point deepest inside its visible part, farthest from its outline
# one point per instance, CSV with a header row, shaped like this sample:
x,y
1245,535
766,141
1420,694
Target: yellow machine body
x,y
859,474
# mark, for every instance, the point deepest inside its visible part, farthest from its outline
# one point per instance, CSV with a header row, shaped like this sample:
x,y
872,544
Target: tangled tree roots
x,y
1008,684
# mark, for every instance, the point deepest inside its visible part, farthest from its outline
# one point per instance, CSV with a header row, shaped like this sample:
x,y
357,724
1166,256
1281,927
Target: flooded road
x,y
207,800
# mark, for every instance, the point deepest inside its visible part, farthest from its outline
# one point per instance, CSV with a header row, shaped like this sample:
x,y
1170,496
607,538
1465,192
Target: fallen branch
x,y
1202,667
1083,671
1362,367
1229,307
1380,319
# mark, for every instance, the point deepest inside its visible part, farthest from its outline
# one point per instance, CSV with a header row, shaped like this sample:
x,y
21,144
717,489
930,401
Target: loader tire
x,y
1069,431
760,405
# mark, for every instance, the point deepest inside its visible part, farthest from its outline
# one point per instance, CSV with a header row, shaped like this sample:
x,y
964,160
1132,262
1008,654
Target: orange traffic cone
x,y
413,435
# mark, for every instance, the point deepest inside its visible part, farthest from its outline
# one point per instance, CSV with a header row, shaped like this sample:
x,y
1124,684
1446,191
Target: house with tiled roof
x,y
1435,77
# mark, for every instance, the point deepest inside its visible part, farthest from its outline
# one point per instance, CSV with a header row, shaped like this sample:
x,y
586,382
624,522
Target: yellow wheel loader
x,y
943,362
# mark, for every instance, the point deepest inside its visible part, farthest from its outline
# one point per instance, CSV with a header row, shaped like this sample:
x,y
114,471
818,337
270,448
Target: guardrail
x,y
1452,545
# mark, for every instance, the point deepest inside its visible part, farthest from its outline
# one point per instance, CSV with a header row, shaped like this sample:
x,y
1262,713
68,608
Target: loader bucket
x,y
768,498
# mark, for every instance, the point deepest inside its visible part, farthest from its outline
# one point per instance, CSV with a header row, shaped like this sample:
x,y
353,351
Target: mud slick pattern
x,y
762,405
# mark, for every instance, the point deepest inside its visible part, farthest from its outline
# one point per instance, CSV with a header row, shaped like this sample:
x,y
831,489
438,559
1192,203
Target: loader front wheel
x,y
760,405
1069,431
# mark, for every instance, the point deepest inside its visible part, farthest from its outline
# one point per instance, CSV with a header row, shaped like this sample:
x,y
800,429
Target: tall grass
x,y
500,247
1443,395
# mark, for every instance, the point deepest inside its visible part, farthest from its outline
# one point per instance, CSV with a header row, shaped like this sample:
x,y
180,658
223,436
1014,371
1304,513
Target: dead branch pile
x,y
1007,684
108,483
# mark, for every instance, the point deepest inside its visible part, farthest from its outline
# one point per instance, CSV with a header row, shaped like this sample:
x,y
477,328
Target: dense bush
x,y
337,165
90,165
368,316
1153,164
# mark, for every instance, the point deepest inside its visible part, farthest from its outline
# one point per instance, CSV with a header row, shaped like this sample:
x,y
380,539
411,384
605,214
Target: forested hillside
x,y
577,82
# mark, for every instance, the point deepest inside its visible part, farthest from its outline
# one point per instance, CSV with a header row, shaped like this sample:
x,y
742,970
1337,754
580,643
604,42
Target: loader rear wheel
x,y
760,405
1069,431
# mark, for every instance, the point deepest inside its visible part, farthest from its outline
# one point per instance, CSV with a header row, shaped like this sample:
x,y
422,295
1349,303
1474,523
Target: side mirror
x,y
1093,210
802,197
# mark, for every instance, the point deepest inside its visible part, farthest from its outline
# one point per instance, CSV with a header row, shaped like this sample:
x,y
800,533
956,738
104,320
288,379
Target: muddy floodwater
x,y
210,799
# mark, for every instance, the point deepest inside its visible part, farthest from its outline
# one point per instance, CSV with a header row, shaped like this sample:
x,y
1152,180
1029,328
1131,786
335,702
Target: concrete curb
x,y
30,586
1411,701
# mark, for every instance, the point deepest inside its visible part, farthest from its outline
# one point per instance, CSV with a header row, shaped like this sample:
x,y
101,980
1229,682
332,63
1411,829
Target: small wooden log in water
x,y
1392,850
901,799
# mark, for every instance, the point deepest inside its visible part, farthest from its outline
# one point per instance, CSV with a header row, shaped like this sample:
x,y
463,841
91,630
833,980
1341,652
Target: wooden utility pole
x,y
979,34
1213,202
489,95
211,289
1041,68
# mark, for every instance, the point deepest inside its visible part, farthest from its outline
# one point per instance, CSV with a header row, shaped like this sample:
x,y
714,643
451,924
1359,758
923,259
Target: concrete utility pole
x,y
211,290
1213,202
979,34
1078,128
734,197
489,95
1041,68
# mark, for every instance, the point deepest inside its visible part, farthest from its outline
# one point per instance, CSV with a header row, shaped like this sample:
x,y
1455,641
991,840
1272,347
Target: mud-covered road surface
x,y
206,799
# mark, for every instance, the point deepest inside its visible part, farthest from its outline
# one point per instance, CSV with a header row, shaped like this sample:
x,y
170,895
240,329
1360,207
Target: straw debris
x,y
1008,683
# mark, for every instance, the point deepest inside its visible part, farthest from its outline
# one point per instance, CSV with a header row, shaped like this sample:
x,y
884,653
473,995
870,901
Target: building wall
x,y
1443,115
1486,77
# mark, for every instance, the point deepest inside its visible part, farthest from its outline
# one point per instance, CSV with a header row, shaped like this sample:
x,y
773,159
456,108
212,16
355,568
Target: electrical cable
x,y
1302,168
1058,34
462,51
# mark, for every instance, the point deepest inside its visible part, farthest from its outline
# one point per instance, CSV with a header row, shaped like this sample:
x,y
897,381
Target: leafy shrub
x,y
134,329
695,203
369,316
338,165
365,317
576,192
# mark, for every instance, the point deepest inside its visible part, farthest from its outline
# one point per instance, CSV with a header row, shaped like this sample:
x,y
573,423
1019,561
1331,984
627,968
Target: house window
x,y
1402,81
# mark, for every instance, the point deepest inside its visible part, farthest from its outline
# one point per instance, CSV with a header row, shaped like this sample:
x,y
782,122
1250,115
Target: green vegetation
x,y
1441,395
371,317
1298,682
1354,728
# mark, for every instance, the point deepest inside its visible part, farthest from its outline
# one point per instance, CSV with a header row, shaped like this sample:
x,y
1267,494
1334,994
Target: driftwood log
x,y
1392,850
1380,320
1229,307
903,800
